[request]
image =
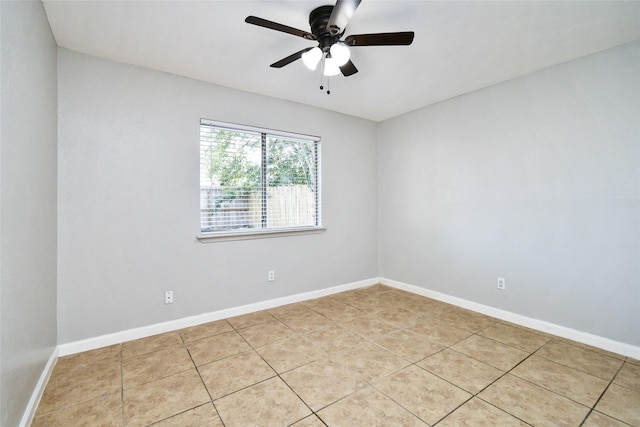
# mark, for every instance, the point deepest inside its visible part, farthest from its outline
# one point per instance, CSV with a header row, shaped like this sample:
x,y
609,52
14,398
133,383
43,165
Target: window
x,y
257,181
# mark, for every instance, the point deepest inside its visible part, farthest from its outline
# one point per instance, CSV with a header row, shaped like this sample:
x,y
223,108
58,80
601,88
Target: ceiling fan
x,y
328,24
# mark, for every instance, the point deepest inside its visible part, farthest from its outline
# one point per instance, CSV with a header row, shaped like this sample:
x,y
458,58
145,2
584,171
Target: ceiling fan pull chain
x,y
321,75
328,86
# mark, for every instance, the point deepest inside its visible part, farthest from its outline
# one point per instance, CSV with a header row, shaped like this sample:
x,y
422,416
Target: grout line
x,y
477,395
601,395
200,376
121,387
294,392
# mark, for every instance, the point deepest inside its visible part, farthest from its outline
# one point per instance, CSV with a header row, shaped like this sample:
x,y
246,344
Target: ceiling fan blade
x,y
342,12
348,69
380,39
289,59
279,27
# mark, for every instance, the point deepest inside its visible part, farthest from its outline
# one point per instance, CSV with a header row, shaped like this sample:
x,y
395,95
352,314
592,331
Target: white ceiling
x,y
459,46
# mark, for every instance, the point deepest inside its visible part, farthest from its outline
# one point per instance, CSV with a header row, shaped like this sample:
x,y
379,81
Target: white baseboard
x,y
174,325
32,406
539,325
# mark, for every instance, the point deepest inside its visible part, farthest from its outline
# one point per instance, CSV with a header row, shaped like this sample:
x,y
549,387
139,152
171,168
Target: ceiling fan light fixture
x,y
340,53
312,57
331,67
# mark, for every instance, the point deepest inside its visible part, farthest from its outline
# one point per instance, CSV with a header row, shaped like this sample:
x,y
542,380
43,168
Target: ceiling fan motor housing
x,y
318,20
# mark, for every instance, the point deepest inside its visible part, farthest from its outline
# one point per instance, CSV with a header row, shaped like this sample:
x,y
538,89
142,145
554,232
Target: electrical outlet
x,y
168,297
502,284
272,275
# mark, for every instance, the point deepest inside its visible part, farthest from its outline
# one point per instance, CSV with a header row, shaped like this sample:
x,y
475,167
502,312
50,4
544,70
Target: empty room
x,y
320,213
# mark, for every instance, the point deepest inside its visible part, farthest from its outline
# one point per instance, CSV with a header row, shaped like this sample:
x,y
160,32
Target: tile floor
x,y
370,357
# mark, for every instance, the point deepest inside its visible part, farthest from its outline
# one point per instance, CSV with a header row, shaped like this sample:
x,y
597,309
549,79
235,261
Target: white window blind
x,y
255,179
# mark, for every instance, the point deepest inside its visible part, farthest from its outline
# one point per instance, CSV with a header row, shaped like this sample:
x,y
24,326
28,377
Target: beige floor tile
x,y
395,298
596,419
633,361
50,400
228,375
103,411
360,293
629,376
490,352
310,421
70,365
323,382
621,403
369,408
250,319
515,336
202,416
404,297
334,338
466,319
400,317
408,345
568,382
376,289
373,303
150,344
269,403
92,367
358,299
163,398
308,321
463,371
290,354
524,400
288,310
594,363
588,347
267,333
347,297
152,366
423,394
370,326
427,308
80,385
408,297
371,361
205,330
217,347
320,303
478,413
339,312
435,331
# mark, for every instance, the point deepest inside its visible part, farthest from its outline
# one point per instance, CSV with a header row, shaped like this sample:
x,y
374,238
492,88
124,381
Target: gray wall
x,y
129,201
536,180
28,204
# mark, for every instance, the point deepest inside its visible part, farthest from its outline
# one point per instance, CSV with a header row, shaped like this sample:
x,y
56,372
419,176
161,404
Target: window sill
x,y
257,234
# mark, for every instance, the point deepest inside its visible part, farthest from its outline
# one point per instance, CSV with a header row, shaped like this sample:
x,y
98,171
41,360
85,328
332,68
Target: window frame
x,y
260,233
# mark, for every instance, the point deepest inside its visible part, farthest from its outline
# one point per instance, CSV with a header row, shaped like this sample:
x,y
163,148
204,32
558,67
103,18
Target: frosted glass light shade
x,y
340,53
312,57
331,67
